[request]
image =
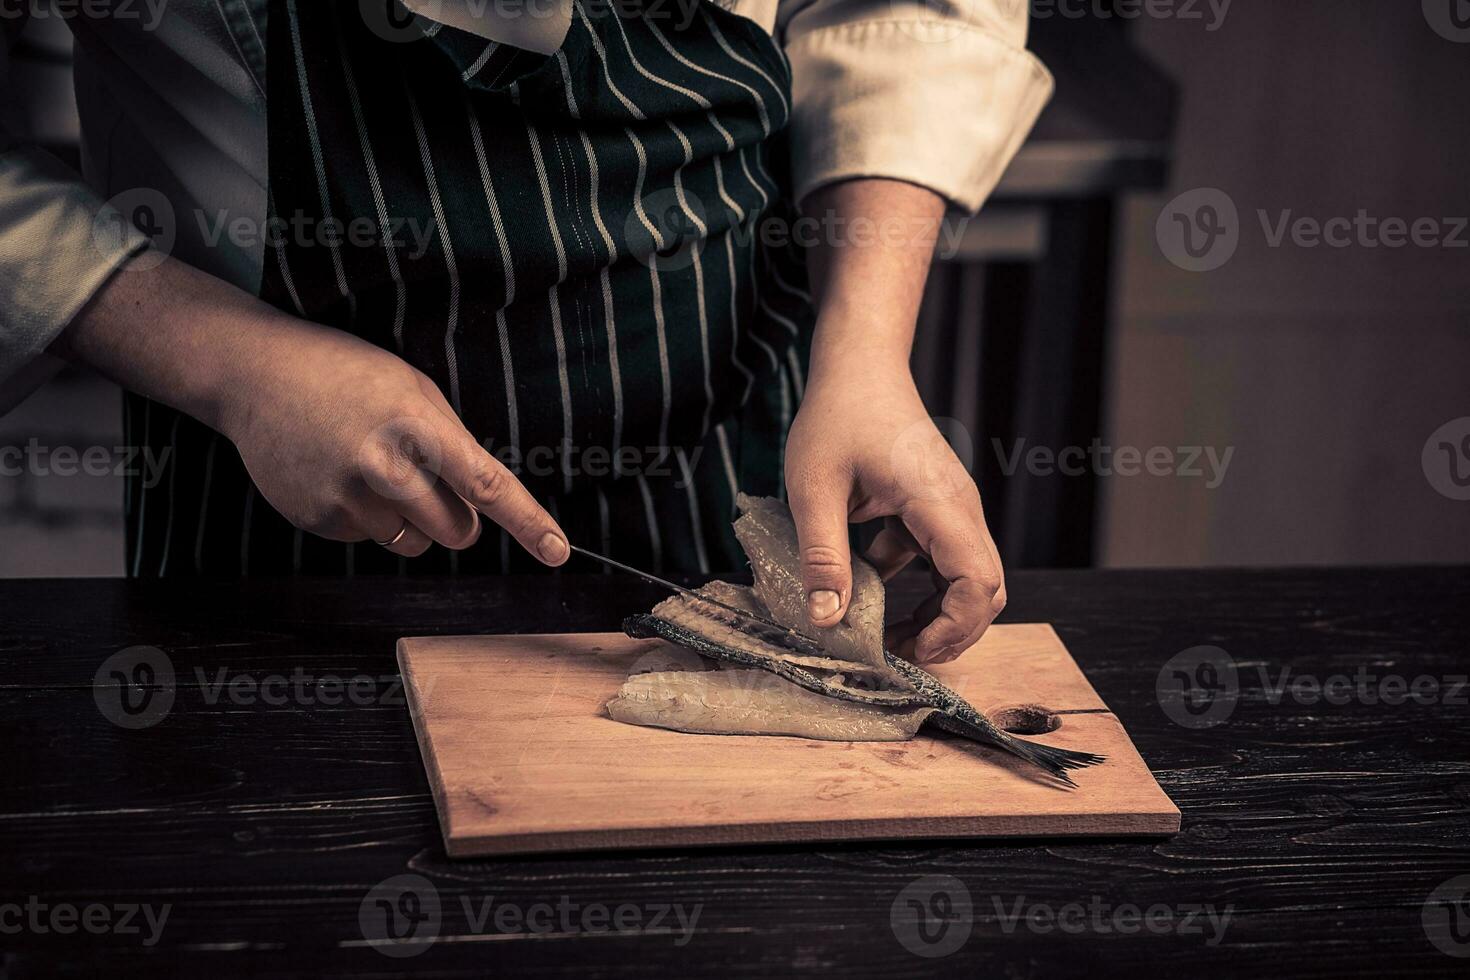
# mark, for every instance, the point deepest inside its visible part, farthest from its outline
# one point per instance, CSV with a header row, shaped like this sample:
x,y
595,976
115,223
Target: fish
x,y
861,686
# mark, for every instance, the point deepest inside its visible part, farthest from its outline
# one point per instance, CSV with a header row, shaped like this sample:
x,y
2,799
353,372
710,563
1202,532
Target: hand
x,y
350,443
863,447
344,439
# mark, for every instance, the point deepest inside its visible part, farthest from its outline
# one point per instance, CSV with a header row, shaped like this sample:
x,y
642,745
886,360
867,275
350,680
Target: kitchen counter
x,y
240,807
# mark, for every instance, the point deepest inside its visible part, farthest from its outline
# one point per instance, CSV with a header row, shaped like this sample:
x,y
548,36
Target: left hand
x,y
861,447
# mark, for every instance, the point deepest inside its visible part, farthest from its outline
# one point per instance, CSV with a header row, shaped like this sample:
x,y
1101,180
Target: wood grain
x,y
523,758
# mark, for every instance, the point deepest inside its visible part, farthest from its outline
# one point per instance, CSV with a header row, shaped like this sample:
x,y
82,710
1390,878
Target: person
x,y
373,271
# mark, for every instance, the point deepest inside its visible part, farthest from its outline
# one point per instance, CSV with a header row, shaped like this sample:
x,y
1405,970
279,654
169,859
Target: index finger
x,y
493,490
959,548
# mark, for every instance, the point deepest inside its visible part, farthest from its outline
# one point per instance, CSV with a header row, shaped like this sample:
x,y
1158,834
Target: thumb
x,y
819,508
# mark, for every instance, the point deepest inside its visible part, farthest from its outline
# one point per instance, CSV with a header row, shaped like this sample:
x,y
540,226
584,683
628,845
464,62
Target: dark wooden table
x,y
262,818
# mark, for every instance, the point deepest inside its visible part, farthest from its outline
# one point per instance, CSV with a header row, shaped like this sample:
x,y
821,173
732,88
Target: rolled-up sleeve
x,y
52,256
940,93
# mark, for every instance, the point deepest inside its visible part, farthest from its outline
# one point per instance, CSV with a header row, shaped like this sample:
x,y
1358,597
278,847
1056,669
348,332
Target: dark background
x,y
1325,369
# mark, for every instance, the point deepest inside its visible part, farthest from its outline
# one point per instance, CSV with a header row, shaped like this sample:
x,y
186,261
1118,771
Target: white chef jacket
x,y
939,93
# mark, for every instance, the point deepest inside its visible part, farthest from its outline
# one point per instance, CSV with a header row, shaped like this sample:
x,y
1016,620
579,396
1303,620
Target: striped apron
x,y
573,247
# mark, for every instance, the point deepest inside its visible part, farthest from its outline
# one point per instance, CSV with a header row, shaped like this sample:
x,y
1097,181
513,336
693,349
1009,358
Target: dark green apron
x,y
571,246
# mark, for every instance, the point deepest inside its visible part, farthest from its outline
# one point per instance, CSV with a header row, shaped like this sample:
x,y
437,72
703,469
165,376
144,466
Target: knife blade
x,y
748,622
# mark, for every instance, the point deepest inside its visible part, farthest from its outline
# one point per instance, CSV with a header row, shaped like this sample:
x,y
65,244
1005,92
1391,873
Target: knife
x,y
747,622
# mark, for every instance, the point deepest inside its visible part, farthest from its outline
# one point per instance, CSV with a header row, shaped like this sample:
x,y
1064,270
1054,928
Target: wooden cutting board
x,y
523,758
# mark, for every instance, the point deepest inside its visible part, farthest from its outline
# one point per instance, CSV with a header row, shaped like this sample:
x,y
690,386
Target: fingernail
x,y
822,603
552,548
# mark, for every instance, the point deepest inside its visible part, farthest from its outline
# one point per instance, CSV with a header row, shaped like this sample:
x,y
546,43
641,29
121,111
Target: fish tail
x,y
1054,760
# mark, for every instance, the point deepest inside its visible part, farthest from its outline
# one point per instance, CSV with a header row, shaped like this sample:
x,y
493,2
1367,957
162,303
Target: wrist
x,y
873,369
857,343
236,380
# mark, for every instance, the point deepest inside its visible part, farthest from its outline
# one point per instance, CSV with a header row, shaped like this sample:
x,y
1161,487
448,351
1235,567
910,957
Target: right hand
x,y
351,443
343,438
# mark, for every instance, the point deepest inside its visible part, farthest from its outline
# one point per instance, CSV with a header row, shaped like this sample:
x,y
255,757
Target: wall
x,y
1325,369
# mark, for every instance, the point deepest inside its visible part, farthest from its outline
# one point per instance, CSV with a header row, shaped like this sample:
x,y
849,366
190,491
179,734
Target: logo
x,y
141,209
1199,230
393,21
400,916
1198,687
134,688
667,228
1446,917
1446,459
1449,18
401,458
933,459
932,916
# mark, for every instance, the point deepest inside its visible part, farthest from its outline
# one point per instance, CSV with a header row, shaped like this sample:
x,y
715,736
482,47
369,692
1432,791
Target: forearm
x,y
868,274
175,334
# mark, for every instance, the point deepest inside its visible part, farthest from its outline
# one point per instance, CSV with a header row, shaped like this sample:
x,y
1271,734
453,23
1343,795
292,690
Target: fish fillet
x,y
766,532
754,702
850,689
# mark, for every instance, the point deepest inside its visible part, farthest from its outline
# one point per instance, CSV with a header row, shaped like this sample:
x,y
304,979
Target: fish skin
x,y
683,611
646,625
